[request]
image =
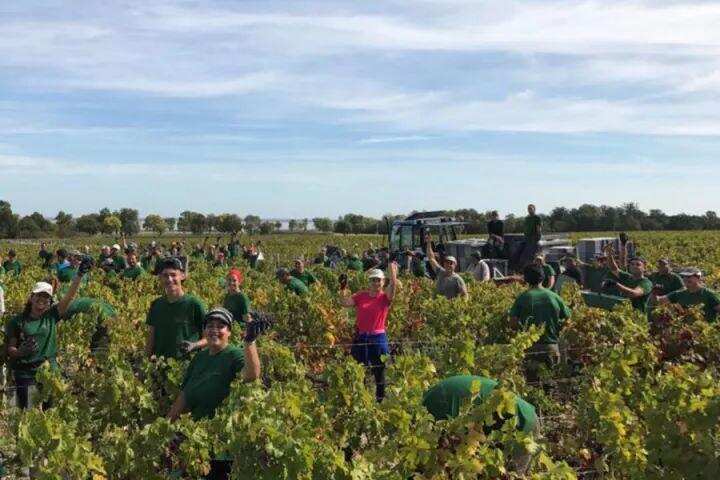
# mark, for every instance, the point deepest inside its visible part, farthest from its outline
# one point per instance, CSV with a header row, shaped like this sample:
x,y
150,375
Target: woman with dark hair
x,y
32,335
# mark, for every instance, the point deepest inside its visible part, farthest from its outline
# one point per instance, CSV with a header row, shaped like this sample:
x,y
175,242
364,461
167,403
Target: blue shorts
x,y
368,348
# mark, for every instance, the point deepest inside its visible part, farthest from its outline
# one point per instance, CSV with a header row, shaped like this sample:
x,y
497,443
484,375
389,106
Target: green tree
x,y
8,221
292,225
111,225
65,224
155,223
89,224
252,223
171,222
129,220
323,224
266,227
228,223
28,228
342,226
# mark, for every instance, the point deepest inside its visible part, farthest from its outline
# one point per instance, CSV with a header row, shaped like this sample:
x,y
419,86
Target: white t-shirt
x,y
480,271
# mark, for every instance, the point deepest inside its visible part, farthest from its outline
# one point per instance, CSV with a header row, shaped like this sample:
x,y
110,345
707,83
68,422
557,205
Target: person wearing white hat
x,y
371,311
118,259
448,283
32,335
694,293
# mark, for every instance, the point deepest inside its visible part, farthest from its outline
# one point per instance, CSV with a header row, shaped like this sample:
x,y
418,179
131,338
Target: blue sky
x,y
302,109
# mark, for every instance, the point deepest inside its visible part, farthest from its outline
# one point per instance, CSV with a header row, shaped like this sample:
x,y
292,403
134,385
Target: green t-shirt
x,y
541,307
238,304
44,329
530,227
90,305
297,286
444,400
670,282
133,272
355,264
208,378
12,266
548,271
705,297
119,262
418,268
629,281
65,274
175,322
306,277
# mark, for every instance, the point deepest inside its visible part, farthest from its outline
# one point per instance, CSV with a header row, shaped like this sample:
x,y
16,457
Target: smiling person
x,y
301,274
632,284
291,283
371,310
134,269
174,320
11,264
695,293
448,283
235,301
211,372
664,280
32,335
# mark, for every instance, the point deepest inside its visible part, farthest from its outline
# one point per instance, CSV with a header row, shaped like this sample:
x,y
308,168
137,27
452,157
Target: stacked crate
x,y
589,248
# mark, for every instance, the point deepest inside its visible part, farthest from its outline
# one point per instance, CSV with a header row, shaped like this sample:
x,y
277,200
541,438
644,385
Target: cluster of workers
x,y
179,325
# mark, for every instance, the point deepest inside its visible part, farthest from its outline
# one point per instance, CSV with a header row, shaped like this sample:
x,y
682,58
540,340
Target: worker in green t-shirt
x,y
119,262
133,269
633,284
291,283
695,293
235,301
11,264
301,274
664,280
174,320
211,372
532,232
542,307
353,262
445,399
532,226
548,271
32,334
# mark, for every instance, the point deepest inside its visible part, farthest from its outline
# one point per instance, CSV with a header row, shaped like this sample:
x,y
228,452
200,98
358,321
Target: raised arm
x,y
430,254
392,286
64,303
251,370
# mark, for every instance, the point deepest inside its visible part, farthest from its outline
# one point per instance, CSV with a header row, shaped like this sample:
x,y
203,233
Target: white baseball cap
x,y
43,287
116,247
450,258
376,273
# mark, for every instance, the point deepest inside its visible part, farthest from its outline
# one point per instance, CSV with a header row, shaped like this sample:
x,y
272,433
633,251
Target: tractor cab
x,y
409,234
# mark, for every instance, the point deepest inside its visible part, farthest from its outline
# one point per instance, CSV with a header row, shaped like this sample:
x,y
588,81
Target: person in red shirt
x,y
372,307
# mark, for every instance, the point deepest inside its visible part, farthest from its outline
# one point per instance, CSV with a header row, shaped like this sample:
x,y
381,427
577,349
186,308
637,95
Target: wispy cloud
x,y
401,139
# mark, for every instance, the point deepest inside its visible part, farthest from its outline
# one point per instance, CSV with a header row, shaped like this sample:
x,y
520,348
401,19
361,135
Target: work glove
x,y
86,264
28,347
256,328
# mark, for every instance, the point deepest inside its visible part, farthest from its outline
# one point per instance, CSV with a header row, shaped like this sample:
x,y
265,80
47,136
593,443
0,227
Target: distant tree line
x,y
585,218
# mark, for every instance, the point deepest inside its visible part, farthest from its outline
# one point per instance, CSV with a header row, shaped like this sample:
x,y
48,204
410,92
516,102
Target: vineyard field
x,y
633,398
